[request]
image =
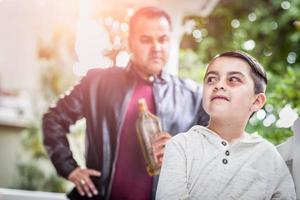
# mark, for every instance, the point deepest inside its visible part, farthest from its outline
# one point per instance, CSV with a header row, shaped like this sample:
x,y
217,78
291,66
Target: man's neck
x,y
142,74
227,130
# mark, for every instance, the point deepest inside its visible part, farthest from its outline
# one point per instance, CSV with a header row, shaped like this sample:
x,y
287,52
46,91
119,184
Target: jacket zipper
x,y
157,106
157,109
118,143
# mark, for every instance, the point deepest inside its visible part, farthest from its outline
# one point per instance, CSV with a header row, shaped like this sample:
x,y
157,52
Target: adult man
x,y
107,98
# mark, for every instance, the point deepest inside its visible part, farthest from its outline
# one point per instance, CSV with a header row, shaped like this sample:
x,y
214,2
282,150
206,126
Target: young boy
x,y
221,161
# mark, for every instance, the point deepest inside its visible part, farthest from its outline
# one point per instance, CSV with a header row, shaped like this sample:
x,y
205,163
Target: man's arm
x,y
285,188
203,116
56,123
172,182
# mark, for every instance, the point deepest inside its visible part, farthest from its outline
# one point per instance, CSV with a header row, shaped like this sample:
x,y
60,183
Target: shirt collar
x,y
214,137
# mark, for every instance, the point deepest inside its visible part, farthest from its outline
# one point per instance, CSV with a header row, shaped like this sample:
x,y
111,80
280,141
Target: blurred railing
x,y
12,194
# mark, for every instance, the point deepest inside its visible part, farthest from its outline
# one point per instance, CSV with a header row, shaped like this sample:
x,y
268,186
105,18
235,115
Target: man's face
x,y
229,89
149,44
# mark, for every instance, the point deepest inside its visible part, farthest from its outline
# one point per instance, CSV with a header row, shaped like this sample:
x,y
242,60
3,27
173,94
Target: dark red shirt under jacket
x,y
131,181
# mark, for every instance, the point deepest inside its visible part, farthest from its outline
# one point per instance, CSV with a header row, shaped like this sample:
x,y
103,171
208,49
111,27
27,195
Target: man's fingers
x,y
160,160
159,153
86,188
93,172
80,189
158,156
81,178
161,139
88,185
159,144
91,186
161,136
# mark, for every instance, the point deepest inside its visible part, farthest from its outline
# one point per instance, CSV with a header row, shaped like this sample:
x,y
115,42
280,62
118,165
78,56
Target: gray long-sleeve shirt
x,y
199,164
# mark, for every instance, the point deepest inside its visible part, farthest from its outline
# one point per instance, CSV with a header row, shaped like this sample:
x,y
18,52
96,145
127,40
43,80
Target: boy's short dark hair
x,y
258,73
148,12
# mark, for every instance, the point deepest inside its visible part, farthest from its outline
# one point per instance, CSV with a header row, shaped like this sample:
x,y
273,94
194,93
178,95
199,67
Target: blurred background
x,y
46,46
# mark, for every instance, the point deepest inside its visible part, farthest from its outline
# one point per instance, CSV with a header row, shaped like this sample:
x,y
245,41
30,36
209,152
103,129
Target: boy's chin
x,y
220,111
221,115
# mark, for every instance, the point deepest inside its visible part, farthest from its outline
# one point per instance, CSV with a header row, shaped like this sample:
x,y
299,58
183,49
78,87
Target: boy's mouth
x,y
219,97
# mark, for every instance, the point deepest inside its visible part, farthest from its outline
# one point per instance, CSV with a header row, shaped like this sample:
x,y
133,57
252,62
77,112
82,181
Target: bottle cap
x,y
142,104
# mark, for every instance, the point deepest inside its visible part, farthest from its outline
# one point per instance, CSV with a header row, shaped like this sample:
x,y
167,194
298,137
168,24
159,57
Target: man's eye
x,y
163,39
145,40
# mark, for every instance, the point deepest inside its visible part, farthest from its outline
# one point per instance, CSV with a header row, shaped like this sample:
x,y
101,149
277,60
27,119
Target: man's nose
x,y
156,46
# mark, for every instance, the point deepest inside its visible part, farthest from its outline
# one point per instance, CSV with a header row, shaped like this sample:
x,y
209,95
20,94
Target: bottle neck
x,y
143,108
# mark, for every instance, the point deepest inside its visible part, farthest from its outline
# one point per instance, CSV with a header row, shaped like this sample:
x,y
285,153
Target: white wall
x,y
10,148
21,23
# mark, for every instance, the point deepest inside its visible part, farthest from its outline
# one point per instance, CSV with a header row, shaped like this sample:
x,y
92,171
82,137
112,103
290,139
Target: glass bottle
x,y
147,126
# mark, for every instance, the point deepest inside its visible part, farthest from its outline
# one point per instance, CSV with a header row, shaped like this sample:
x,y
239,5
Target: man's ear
x,y
259,102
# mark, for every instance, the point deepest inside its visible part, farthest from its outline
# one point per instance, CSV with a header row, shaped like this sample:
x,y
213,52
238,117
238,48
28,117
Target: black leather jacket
x,y
102,97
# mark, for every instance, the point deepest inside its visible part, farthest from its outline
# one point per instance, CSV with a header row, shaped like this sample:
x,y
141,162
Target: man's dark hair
x,y
148,12
258,73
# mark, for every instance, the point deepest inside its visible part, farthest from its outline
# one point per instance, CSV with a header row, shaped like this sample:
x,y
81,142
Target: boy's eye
x,y
234,79
210,79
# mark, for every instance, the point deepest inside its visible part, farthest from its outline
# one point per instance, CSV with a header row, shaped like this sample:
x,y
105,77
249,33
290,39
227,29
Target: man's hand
x,y
159,143
81,178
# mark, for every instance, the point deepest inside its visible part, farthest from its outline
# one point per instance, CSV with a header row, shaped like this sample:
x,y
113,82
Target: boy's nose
x,y
220,85
219,88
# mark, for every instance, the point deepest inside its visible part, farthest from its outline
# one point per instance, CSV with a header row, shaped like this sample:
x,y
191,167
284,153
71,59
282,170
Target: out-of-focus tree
x,y
269,31
55,54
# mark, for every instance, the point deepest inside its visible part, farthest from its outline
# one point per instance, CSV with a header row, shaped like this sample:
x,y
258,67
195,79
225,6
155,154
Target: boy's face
x,y
228,91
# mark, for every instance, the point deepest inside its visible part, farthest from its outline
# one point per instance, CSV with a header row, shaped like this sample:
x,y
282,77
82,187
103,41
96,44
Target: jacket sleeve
x,y
56,123
284,188
203,116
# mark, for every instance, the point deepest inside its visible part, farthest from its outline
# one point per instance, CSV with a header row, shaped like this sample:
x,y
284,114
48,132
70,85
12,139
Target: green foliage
x,y
31,141
274,27
31,176
53,183
55,58
36,171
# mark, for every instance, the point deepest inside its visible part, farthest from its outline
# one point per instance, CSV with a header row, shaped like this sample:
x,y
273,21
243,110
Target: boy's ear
x,y
259,102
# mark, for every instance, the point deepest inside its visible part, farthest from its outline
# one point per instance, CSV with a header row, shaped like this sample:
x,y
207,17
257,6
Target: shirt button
x,y
224,143
227,153
225,161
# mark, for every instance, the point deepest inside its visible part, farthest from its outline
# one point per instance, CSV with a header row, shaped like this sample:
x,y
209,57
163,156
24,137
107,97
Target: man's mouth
x,y
219,97
156,58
